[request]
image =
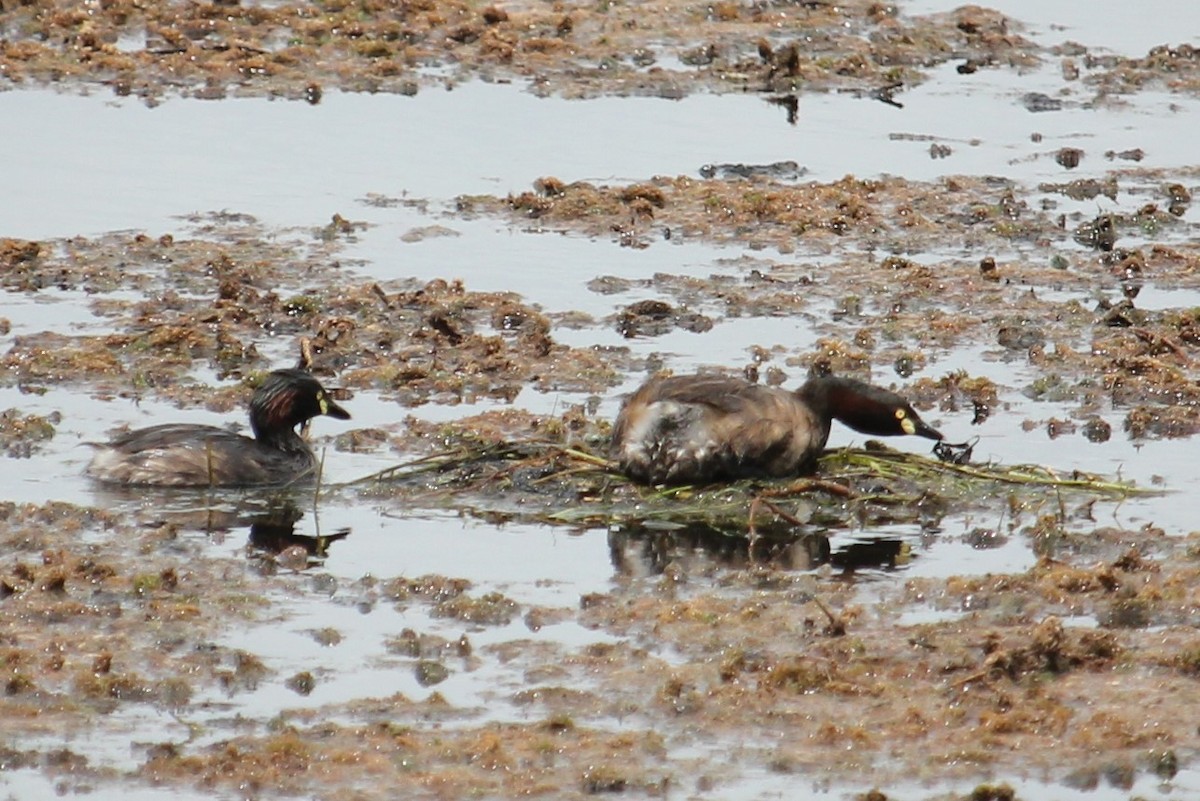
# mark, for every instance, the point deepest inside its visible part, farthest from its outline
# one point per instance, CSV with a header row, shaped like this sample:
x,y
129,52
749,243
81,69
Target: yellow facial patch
x,y
906,425
323,403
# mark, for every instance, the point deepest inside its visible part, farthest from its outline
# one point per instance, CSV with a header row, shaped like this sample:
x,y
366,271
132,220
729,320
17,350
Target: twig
x,y
208,455
306,355
560,474
379,293
788,517
979,675
810,485
751,530
583,456
423,464
320,474
1018,474
1152,338
837,624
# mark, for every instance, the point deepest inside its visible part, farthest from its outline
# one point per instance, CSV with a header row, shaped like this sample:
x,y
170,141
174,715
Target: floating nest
x,y
538,481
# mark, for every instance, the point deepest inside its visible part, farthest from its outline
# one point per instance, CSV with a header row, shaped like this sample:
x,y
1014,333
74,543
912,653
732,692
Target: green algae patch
x,y
22,435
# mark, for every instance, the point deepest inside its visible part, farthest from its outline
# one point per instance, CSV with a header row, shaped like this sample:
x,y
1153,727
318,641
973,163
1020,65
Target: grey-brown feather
x,y
196,455
684,429
183,455
701,428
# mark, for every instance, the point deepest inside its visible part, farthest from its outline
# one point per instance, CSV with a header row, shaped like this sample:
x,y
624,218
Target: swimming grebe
x,y
183,455
702,428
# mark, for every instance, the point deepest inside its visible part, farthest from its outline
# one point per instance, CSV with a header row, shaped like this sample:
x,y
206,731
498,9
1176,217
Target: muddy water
x,y
94,164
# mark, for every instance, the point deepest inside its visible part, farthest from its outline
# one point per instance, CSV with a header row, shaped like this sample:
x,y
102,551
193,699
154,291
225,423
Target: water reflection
x,y
271,521
273,538
650,549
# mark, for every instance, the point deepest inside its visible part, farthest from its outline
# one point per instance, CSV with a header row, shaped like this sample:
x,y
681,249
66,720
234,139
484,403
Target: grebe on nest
x,y
704,428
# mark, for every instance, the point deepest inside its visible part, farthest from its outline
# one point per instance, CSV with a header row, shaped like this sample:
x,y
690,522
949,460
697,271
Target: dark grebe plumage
x,y
184,455
704,428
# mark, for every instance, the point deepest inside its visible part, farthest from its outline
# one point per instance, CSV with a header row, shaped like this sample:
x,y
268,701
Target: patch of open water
x,y
294,164
64,311
26,783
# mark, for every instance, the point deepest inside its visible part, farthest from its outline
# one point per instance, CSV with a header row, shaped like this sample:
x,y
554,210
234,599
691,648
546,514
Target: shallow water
x,y
94,164
1129,29
295,164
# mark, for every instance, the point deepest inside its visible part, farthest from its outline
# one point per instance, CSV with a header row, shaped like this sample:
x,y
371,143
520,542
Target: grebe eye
x,y
901,414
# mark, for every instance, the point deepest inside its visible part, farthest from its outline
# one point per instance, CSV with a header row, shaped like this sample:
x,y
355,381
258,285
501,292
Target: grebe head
x,y
287,398
865,408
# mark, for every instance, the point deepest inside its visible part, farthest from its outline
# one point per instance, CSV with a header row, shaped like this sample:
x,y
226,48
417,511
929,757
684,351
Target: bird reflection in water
x,y
271,519
648,549
274,541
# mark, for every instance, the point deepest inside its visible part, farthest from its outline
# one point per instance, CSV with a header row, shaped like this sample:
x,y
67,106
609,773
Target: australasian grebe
x,y
703,428
183,455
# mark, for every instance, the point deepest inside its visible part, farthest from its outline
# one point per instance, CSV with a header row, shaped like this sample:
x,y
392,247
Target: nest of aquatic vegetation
x,y
576,485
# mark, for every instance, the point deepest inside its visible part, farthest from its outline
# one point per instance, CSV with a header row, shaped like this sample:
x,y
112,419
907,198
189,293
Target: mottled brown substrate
x,y
115,627
869,262
102,619
648,47
171,305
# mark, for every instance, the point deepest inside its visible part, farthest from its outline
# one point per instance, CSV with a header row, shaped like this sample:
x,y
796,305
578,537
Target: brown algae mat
x,y
103,616
649,47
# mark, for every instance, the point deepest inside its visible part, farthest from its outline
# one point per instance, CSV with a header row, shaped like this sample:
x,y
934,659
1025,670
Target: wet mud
x,y
733,639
